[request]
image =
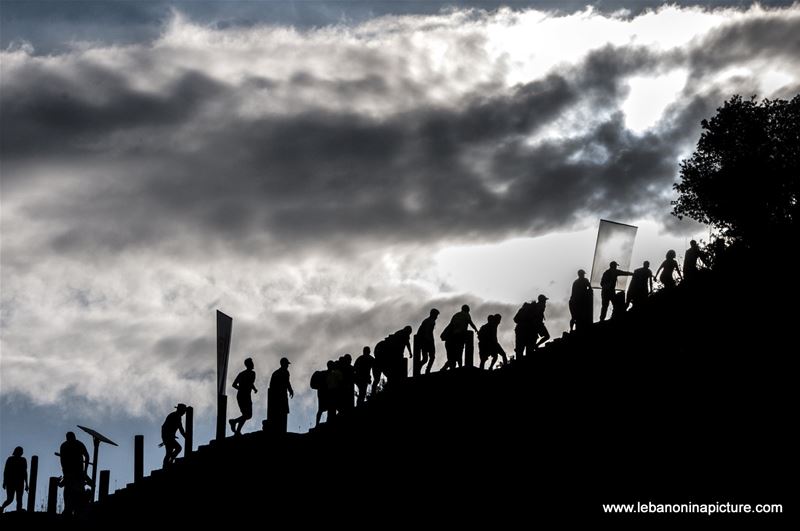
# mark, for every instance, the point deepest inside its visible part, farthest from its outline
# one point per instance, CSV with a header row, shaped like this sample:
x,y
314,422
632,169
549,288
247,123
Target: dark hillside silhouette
x,y
681,399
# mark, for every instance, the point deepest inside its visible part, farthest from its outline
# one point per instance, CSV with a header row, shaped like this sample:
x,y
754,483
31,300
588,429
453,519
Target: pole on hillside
x,y
32,483
469,349
189,439
417,363
138,458
224,329
105,479
52,495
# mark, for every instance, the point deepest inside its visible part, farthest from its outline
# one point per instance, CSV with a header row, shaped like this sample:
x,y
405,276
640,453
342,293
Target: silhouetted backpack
x,y
380,352
317,380
446,333
484,333
524,316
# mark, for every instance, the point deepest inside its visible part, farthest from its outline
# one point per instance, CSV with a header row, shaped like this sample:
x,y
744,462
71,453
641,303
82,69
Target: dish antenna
x,y
97,438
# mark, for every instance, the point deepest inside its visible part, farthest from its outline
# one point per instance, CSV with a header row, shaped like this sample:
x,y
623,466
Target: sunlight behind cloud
x,y
649,97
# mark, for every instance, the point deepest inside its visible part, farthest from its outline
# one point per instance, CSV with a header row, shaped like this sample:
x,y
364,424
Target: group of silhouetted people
x,y
640,287
74,459
335,384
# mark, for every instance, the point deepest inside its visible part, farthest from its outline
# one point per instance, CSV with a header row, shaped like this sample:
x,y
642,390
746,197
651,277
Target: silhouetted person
x,y
333,381
427,349
667,269
319,382
618,304
608,286
488,345
381,360
74,459
393,353
690,259
15,478
244,383
345,397
278,405
580,303
455,335
539,329
641,285
524,338
362,370
169,434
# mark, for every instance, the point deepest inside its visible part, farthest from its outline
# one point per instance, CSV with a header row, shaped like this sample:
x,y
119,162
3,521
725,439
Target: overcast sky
x,y
325,173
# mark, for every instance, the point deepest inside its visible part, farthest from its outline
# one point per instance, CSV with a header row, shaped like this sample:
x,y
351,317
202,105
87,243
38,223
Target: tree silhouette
x,y
744,176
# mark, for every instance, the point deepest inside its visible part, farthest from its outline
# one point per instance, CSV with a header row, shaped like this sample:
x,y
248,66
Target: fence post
x,y
138,458
32,483
189,439
469,349
105,479
52,495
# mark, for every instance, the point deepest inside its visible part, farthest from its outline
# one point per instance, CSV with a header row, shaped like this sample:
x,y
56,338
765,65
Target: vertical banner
x,y
614,243
224,328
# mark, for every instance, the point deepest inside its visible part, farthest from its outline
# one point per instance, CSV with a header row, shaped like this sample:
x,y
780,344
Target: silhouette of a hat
x,y
542,297
181,407
285,361
613,264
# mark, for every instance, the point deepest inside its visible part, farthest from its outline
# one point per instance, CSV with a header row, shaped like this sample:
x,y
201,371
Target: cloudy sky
x,y
325,173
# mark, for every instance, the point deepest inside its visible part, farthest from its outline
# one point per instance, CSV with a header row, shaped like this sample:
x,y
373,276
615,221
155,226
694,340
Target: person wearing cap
x,y
169,437
244,383
277,399
539,329
580,303
608,286
427,345
641,285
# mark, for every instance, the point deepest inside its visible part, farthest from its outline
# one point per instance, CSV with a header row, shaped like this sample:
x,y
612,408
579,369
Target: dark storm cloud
x,y
47,113
322,176
51,24
185,165
769,38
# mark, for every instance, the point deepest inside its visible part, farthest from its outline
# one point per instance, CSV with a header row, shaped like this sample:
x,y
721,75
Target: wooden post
x,y
469,349
94,467
52,495
417,364
32,483
224,330
222,415
189,439
105,478
138,458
